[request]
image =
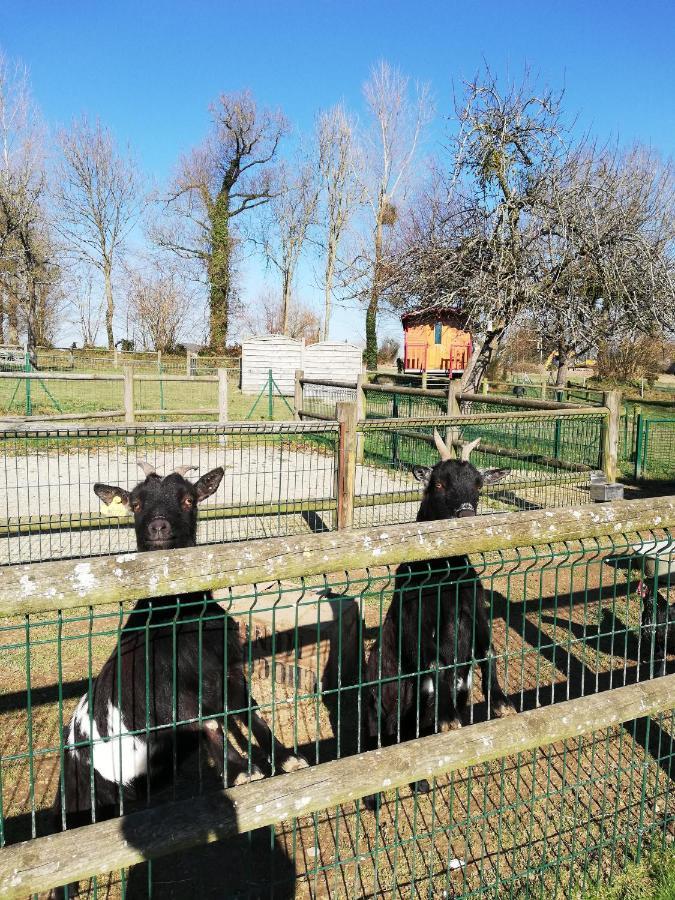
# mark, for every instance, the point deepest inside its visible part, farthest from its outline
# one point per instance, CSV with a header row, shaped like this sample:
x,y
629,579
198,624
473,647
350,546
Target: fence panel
x,y
549,456
654,452
515,807
279,479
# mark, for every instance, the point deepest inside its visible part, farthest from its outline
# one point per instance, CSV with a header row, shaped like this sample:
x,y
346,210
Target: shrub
x,y
630,359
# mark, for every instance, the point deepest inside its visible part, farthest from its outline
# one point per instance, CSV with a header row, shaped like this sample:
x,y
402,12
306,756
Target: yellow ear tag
x,y
114,508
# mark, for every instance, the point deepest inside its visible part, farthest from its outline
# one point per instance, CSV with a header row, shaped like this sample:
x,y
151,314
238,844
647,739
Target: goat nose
x,y
159,529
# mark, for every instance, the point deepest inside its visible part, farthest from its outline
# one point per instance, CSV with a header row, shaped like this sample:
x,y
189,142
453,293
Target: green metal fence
x,y
515,808
654,454
280,478
549,455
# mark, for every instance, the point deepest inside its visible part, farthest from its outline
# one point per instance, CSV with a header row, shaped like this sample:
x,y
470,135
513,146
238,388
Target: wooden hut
x,y
435,341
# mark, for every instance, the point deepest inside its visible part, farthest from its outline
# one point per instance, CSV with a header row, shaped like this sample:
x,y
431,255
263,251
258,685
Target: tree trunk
x,y
219,272
371,312
12,320
2,317
330,268
563,366
480,358
110,306
285,301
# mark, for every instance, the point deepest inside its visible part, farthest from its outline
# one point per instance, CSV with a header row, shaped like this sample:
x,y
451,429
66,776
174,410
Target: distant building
x,y
435,341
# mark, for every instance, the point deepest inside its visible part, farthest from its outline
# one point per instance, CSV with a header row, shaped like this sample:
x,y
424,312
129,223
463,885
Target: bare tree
x,y
284,229
159,300
28,272
578,239
99,200
607,229
468,243
86,303
230,174
396,124
341,191
267,314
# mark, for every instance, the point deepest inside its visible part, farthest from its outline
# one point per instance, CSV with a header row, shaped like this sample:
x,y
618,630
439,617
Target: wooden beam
x,y
39,864
67,584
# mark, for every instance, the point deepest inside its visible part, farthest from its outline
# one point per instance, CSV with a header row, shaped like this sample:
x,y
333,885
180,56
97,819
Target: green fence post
x,y
270,408
637,450
29,403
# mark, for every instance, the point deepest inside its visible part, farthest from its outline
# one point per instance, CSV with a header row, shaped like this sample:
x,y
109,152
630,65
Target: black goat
x,y
178,663
438,619
518,391
658,625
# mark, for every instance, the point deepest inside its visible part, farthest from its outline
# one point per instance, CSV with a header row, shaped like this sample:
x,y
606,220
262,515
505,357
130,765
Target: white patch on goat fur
x,y
118,756
84,577
428,685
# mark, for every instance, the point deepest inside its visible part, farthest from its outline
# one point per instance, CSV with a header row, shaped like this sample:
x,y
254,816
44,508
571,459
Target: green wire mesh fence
x,y
279,479
566,621
549,457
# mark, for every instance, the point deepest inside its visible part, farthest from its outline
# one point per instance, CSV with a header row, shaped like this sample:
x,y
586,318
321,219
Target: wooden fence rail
x,y
68,584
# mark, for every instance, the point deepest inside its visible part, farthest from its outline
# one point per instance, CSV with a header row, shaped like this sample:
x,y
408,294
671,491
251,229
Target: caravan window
x,y
438,333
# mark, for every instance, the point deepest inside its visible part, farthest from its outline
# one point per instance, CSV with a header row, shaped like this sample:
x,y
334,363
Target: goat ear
x,y
422,473
492,476
107,493
208,484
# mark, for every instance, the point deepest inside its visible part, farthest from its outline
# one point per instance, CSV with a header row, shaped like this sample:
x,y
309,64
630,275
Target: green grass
x,y
651,879
50,397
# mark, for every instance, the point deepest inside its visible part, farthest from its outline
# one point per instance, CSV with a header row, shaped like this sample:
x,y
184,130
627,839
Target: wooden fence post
x,y
187,362
297,394
452,409
115,358
128,395
346,471
610,435
360,414
424,380
544,384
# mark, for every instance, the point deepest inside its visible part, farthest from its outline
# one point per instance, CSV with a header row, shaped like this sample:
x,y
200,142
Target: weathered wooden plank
x,y
519,402
491,417
45,862
68,584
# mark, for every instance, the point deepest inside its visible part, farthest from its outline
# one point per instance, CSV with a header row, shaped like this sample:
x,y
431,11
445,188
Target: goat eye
x,y
136,506
439,486
187,502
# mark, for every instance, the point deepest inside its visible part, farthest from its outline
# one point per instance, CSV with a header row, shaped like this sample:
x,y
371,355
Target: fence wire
x,y
565,622
279,479
549,460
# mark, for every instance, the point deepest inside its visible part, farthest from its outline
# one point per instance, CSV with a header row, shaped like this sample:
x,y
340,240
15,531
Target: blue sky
x,y
149,70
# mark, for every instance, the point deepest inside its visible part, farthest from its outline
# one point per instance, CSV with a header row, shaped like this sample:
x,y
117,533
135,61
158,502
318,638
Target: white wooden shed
x,y
334,360
277,352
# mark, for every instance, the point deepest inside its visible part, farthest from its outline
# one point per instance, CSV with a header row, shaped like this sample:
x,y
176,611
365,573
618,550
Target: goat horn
x,y
467,449
441,446
147,468
183,470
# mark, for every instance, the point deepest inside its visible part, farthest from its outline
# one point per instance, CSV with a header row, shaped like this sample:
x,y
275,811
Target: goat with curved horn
x,y
441,446
183,470
146,467
467,449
